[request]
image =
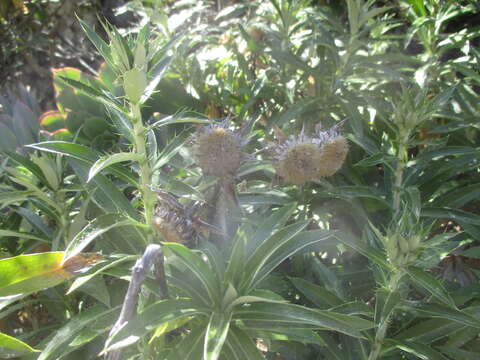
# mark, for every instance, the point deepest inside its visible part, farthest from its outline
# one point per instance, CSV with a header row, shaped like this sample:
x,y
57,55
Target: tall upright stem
x,y
140,148
382,328
402,159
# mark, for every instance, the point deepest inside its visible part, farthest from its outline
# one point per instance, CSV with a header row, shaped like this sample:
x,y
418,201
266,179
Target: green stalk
x,y
382,328
402,159
140,148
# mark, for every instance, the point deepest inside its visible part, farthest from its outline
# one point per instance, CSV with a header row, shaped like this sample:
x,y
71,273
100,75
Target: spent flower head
x,y
218,150
298,159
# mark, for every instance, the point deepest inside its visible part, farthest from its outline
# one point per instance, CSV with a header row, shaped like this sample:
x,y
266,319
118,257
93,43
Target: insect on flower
x,y
176,223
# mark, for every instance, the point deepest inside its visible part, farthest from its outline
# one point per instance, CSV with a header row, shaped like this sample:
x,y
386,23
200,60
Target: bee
x,y
176,223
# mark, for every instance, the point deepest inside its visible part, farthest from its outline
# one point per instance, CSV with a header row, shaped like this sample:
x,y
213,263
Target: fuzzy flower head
x,y
299,159
218,150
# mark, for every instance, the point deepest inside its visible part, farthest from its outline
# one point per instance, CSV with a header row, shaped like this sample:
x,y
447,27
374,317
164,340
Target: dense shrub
x,y
301,176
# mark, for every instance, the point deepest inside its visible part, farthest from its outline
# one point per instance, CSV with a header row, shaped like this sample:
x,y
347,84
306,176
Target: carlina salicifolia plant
x,y
139,66
301,158
218,151
403,241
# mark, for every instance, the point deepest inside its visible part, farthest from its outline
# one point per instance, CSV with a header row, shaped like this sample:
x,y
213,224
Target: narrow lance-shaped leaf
x,y
291,247
198,267
61,345
175,119
96,228
431,284
268,315
84,154
11,347
159,313
443,312
264,251
240,346
93,93
34,272
216,334
109,160
98,42
155,75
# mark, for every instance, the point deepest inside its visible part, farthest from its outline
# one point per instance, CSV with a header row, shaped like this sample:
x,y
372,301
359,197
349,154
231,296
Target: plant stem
x,y
148,195
382,328
402,158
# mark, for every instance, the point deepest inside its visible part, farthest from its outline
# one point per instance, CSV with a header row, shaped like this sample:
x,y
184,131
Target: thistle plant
x,y
356,261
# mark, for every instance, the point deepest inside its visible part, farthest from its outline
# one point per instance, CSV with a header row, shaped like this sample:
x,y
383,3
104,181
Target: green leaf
x,y
151,317
79,281
433,329
349,193
60,343
11,347
418,7
385,303
30,273
198,268
109,160
11,197
191,346
8,140
234,272
439,311
28,164
454,214
270,225
273,315
216,334
134,83
421,351
97,289
290,248
171,149
84,154
16,273
375,255
431,284
35,220
96,228
155,75
265,250
98,42
456,353
175,119
23,235
239,346
107,195
318,295
93,93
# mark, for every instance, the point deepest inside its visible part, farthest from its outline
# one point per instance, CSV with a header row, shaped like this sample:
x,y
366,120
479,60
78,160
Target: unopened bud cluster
x,y
403,250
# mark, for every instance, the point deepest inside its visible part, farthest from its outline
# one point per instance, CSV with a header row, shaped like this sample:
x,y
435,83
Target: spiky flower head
x,y
299,159
218,150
